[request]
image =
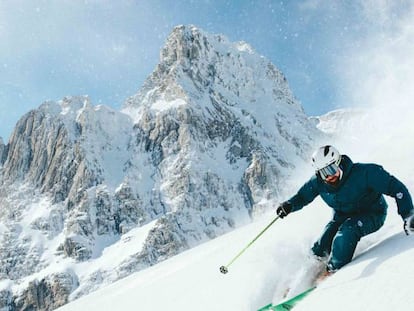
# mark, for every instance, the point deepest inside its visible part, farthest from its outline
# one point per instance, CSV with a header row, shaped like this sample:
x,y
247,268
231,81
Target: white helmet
x,y
325,156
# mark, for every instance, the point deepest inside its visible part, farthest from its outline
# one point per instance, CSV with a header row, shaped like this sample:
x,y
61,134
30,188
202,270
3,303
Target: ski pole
x,y
225,269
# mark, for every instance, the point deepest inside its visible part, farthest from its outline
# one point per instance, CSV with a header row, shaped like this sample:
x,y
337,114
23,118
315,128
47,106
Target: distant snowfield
x,y
378,279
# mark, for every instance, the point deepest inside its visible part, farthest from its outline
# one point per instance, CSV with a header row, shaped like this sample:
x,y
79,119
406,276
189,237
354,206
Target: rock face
x,y
47,294
199,150
3,152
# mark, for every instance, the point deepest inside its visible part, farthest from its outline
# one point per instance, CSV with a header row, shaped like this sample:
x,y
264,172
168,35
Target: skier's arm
x,y
383,182
306,194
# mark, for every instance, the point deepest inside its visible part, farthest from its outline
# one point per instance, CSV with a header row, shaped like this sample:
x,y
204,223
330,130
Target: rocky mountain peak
x,y
181,46
188,45
194,64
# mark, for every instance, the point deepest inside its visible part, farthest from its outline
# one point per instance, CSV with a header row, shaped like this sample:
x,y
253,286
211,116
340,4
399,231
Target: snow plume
x,y
378,77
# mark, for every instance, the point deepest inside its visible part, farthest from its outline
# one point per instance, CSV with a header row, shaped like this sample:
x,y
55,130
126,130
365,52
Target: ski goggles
x,y
329,170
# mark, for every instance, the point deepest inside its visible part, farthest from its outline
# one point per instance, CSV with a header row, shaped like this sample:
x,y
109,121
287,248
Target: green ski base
x,y
288,304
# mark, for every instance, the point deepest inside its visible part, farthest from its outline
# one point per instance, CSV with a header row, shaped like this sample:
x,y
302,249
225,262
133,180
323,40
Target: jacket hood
x,y
345,166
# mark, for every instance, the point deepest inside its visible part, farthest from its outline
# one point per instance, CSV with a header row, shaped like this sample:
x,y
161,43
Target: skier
x,y
355,193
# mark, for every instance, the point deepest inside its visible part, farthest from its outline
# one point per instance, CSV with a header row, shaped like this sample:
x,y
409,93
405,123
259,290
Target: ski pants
x,y
341,236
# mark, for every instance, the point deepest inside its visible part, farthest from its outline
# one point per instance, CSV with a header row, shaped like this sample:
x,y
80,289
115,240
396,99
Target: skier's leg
x,y
322,247
348,236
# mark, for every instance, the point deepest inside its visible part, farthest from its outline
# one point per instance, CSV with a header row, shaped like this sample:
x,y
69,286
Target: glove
x,y
284,209
409,225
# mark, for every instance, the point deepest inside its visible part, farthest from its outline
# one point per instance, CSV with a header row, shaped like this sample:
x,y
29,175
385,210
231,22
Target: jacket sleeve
x,y
306,194
382,181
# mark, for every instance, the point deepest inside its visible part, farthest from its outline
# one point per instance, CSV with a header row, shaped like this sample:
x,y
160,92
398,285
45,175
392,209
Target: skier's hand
x,y
284,209
409,225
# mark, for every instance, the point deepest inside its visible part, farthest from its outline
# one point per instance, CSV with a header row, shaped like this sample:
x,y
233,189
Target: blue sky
x,y
106,49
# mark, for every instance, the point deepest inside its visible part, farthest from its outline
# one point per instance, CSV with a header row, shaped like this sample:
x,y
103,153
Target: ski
x,y
288,304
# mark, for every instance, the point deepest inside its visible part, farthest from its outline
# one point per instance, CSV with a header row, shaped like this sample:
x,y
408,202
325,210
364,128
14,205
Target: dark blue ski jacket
x,y
360,191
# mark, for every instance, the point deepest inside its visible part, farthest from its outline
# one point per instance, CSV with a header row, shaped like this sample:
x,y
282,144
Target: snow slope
x,y
379,278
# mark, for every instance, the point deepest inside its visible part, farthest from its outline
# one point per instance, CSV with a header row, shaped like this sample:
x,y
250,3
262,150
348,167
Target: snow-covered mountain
x,y
89,195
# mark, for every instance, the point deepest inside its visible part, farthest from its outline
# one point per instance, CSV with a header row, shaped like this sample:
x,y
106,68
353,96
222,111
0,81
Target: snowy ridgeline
x,y
89,195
